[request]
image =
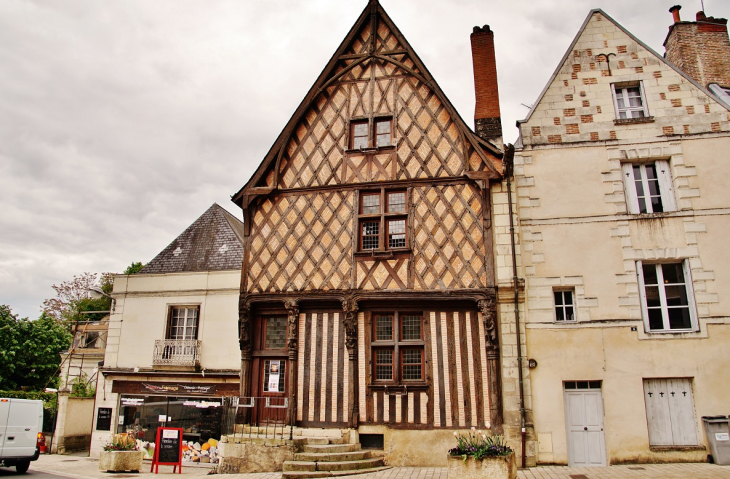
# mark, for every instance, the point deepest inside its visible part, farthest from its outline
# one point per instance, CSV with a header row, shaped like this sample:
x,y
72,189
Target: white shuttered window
x,y
670,412
648,187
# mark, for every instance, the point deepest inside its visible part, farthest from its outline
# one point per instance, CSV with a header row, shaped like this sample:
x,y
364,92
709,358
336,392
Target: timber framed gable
x,y
373,202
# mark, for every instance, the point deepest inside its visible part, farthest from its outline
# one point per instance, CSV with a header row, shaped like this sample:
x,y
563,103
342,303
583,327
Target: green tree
x,y
134,268
72,298
30,351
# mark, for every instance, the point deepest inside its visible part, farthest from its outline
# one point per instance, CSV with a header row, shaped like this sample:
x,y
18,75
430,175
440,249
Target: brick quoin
x,y
663,96
686,129
556,120
572,129
586,103
621,48
594,136
586,118
589,81
555,139
673,87
657,74
621,64
690,110
486,110
715,126
639,69
707,108
676,102
589,52
535,131
569,112
568,97
668,130
576,67
612,135
598,108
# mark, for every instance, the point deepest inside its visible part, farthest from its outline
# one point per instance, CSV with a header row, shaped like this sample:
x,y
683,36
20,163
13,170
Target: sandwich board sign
x,y
168,449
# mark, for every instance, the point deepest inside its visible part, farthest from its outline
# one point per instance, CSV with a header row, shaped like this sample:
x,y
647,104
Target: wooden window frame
x,y
666,188
171,309
383,218
260,334
372,132
397,345
664,307
621,90
560,313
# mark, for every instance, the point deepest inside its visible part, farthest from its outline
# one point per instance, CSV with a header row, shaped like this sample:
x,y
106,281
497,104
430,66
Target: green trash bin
x,y
718,436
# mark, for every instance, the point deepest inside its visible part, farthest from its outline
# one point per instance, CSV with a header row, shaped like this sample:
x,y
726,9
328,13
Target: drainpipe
x,y
509,158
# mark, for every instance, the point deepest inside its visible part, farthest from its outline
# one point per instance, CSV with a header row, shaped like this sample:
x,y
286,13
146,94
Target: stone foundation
x,y
255,455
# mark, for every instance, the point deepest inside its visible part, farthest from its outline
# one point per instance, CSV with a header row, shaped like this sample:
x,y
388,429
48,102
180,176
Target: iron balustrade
x,y
176,352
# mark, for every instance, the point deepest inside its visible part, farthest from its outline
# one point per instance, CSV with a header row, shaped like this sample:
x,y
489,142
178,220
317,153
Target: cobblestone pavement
x,y
86,468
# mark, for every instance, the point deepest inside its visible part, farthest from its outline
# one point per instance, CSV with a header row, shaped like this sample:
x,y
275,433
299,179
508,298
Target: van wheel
x,y
22,467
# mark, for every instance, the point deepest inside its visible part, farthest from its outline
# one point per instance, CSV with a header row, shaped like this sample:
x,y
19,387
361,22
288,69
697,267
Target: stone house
x,y
623,214
171,350
369,284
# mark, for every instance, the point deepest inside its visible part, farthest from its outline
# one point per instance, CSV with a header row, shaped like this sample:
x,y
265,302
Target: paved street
x,y
86,468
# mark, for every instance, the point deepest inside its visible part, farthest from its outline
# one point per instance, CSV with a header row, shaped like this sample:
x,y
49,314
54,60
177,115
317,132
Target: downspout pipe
x,y
509,164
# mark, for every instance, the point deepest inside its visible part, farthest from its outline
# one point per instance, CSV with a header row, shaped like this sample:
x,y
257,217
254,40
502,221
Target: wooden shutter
x,y
632,202
670,412
666,189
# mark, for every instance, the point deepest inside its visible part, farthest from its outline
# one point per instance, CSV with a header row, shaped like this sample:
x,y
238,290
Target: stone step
x,y
330,448
332,456
312,466
319,474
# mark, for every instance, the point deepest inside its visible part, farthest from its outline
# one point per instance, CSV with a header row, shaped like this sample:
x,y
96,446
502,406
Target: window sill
x,y
374,149
633,121
387,254
399,388
676,448
672,331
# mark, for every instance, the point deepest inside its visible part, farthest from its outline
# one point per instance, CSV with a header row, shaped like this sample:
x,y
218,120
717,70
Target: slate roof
x,y
214,242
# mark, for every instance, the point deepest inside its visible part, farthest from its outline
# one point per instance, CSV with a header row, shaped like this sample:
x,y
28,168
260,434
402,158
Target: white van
x,y
20,422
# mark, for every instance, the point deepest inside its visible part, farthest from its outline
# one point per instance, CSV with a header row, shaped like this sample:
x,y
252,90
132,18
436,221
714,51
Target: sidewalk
x,y
85,468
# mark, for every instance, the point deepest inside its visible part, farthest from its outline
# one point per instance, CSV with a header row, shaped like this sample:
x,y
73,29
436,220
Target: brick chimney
x,y
487,120
700,48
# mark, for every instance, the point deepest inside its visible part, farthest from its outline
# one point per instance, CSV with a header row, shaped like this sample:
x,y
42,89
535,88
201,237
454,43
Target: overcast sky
x,y
121,122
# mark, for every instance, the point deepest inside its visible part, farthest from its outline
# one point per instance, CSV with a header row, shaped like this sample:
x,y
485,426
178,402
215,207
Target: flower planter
x,y
500,467
120,461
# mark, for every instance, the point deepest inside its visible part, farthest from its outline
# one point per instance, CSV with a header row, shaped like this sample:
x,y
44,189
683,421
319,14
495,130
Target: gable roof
x,y
630,35
329,75
214,242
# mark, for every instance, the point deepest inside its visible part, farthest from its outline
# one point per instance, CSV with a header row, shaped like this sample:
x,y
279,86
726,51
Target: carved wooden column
x,y
488,307
244,343
292,308
349,306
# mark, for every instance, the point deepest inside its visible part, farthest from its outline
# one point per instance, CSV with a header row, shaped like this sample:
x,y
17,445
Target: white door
x,y
584,421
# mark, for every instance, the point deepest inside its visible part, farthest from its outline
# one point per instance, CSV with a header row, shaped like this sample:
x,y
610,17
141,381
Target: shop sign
x,y
187,389
202,404
126,401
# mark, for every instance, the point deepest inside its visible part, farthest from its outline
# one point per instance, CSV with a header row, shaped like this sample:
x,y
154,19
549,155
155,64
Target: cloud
x,y
123,121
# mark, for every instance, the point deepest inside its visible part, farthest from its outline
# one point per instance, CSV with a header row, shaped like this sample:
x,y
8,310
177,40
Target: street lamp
x,y
97,293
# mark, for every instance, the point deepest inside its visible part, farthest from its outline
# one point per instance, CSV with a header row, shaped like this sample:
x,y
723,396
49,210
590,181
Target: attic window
x,y
361,135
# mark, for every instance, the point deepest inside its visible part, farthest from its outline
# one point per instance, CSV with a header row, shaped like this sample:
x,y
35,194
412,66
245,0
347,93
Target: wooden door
x,y
584,422
271,404
670,414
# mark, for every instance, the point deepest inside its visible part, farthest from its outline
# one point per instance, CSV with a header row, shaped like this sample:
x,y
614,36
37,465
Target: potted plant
x,y
121,454
479,455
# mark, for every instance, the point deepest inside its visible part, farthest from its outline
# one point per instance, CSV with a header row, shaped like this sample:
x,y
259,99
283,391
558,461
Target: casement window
x,y
274,332
648,187
670,412
564,305
629,101
667,299
362,136
397,347
383,220
183,322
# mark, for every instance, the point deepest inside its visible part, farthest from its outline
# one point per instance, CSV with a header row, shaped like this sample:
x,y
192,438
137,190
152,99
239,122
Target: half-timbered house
x,y
368,284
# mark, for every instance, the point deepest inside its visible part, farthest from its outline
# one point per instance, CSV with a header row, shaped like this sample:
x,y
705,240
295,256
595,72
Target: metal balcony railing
x,y
176,352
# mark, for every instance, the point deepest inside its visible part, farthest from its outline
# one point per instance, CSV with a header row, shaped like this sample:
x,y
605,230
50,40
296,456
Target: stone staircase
x,y
331,457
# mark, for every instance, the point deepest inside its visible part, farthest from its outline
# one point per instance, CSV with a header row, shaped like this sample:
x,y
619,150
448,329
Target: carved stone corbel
x,y
292,308
488,308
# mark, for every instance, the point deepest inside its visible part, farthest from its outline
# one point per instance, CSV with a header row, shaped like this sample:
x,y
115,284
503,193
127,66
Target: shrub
x,y
479,445
122,442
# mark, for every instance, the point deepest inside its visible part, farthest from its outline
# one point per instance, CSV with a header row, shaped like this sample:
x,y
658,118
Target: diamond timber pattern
x,y
448,246
302,242
314,154
429,140
385,274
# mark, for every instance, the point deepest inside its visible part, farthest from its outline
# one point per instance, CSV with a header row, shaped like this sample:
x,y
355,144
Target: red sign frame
x,y
156,457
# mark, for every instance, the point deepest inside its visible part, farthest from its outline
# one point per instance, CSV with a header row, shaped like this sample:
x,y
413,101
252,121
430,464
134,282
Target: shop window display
x,y
201,420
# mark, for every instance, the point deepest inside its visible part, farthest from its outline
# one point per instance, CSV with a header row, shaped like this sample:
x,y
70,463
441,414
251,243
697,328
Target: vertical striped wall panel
x,y
458,392
322,383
